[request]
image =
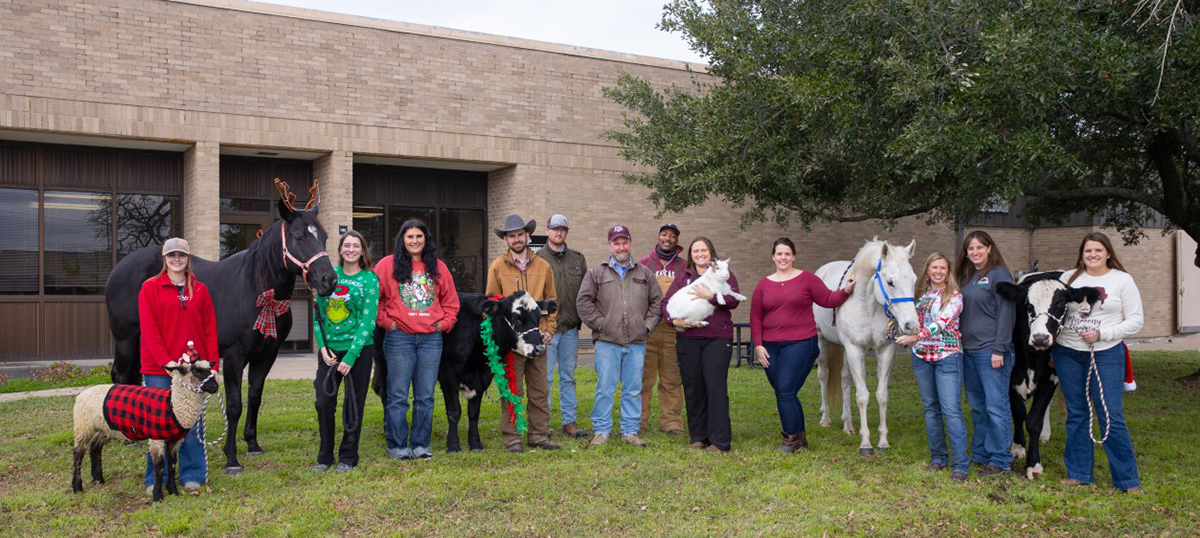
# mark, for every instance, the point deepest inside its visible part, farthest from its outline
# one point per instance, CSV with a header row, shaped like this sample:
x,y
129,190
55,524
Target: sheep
x,y
107,412
688,307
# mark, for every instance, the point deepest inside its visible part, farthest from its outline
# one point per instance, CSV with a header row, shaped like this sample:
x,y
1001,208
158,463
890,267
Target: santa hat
x,y
1130,384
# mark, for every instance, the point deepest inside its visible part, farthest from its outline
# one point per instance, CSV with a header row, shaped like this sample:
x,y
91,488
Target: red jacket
x,y
168,324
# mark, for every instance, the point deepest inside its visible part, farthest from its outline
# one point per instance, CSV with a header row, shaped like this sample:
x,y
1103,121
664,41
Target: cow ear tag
x,y
1084,307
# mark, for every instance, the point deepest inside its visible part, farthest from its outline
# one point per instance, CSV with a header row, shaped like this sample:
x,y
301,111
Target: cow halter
x,y
520,335
888,300
1047,313
288,256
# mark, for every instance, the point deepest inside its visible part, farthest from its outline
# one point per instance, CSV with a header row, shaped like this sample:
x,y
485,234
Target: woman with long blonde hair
x,y
173,309
937,361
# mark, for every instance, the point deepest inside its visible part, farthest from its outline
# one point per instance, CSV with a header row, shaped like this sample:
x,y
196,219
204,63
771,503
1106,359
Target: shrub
x,y
57,372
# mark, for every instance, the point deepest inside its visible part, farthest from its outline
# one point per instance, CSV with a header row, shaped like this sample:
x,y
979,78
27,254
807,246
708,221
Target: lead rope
x,y
329,384
200,430
1091,406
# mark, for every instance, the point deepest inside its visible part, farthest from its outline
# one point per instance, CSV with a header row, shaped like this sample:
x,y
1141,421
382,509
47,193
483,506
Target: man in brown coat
x,y
517,269
620,301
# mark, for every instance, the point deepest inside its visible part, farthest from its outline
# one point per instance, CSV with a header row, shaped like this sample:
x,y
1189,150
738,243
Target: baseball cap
x,y
618,231
176,244
557,221
667,225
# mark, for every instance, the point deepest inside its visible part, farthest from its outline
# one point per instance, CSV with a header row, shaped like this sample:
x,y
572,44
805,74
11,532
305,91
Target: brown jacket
x,y
620,311
569,267
504,278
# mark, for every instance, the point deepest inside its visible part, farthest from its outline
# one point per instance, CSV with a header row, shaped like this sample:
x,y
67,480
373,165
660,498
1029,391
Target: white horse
x,y
884,294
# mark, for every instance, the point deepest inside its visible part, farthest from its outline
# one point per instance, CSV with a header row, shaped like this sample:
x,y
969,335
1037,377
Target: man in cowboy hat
x,y
517,269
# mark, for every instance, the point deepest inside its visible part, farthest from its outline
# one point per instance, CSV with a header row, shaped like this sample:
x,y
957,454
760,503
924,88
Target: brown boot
x,y
803,439
791,443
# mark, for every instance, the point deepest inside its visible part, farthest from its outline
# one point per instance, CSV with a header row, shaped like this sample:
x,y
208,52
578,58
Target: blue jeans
x,y
941,386
412,359
564,350
193,461
791,361
612,362
1079,455
991,413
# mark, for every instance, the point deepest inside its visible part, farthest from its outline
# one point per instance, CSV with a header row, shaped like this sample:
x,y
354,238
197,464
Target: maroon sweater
x,y
720,323
782,311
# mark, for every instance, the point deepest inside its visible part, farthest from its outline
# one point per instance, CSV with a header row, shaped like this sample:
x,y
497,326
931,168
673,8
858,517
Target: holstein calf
x,y
464,366
1044,299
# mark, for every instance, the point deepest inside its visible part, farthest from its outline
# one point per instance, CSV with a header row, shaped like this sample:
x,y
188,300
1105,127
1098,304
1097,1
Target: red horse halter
x,y
302,265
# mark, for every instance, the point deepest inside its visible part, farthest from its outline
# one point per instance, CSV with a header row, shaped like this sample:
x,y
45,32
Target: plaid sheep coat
x,y
142,413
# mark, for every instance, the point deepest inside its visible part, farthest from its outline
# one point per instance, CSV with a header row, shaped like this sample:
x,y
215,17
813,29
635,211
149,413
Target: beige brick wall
x,y
334,173
201,195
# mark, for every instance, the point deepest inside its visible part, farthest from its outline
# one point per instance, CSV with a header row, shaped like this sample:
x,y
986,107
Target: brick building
x,y
170,117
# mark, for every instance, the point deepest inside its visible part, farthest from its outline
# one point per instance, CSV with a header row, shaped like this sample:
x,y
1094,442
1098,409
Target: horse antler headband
x,y
288,196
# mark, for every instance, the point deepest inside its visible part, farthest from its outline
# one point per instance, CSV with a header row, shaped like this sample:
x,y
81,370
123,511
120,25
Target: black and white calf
x,y
464,366
1043,298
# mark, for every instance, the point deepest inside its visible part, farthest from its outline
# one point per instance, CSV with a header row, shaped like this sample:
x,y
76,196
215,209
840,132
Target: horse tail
x,y
835,360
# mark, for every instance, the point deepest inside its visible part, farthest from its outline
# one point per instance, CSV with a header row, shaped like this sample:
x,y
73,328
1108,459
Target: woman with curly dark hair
x,y
417,303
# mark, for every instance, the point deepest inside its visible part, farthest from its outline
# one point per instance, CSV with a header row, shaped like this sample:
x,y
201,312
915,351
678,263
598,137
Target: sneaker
x,y
343,467
633,439
191,486
991,471
149,490
422,453
574,431
600,439
958,476
319,468
1135,491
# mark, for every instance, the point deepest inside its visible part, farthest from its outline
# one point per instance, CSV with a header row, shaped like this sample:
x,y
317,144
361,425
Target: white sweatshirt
x,y
1118,316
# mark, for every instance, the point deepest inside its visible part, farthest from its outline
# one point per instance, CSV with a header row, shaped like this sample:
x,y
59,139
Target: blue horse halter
x,y
888,300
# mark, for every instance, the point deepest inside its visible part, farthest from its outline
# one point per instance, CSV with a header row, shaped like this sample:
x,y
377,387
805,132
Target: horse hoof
x,y
476,449
258,452
867,452
826,423
883,450
237,469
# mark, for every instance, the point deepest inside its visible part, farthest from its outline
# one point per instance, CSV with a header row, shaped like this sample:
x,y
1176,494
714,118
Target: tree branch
x,y
899,213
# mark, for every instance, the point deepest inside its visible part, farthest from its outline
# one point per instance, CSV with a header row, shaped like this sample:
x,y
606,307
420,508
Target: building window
x,y
77,229
18,242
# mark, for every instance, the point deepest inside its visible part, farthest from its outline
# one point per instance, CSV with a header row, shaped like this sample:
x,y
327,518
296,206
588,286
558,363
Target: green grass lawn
x,y
666,489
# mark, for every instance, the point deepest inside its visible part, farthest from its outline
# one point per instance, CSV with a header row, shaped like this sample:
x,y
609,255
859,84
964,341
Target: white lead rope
x,y
1091,406
200,431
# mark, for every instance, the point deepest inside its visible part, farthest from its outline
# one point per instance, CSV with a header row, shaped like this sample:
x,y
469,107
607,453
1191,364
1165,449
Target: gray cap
x,y
557,221
176,244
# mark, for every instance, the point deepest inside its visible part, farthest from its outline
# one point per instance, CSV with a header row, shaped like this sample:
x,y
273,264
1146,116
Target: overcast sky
x,y
615,25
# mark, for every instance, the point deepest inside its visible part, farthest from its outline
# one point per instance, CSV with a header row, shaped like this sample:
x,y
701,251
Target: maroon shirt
x,y
782,311
720,323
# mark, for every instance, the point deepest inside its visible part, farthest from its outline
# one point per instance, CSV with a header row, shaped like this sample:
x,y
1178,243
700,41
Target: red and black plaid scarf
x,y
142,413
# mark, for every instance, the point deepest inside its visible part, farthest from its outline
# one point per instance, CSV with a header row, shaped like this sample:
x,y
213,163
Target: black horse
x,y
235,284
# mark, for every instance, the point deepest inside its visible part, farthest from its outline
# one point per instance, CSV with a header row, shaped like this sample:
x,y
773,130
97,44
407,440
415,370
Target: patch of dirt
x,y
1190,381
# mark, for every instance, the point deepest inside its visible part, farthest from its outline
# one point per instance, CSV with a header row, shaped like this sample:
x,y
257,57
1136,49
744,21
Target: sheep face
x,y
197,376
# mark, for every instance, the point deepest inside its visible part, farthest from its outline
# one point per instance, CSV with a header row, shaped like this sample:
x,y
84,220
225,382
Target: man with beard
x,y
513,271
620,302
665,260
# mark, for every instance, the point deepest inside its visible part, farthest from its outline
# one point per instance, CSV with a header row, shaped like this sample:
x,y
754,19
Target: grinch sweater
x,y
349,314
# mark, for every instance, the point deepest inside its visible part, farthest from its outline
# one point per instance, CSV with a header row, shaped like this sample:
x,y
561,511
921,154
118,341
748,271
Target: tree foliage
x,y
878,109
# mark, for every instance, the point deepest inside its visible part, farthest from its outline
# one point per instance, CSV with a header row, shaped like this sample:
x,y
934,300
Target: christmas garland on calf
x,y
509,391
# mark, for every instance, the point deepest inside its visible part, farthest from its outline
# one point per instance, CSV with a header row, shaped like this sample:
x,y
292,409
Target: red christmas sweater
x,y
169,322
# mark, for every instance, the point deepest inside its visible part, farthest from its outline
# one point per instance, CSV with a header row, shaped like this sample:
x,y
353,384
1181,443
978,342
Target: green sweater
x,y
349,314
